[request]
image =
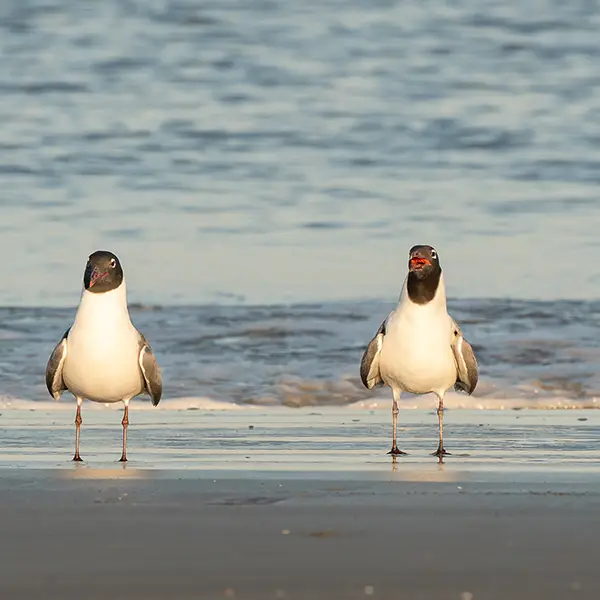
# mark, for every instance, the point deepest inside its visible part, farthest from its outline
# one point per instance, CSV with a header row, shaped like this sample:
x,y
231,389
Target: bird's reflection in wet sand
x,y
395,463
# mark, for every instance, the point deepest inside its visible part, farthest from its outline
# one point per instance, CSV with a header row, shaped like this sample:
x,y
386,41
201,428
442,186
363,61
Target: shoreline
x,y
310,439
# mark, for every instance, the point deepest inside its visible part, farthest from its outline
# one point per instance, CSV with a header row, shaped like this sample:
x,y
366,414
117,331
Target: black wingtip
x,y
460,386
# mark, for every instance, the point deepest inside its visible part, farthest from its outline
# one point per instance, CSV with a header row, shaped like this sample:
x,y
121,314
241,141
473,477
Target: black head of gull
x,y
424,274
103,272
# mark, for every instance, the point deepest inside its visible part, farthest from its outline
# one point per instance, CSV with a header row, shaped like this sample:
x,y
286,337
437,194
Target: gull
x,y
419,348
102,356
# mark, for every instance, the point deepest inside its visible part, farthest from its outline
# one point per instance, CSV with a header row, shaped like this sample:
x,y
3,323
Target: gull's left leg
x,y
78,421
125,423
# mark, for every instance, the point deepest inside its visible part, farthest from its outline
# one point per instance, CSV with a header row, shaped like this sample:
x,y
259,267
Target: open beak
x,y
97,276
417,262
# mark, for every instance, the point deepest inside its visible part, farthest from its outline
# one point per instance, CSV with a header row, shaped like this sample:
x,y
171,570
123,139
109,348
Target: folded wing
x,y
150,371
369,365
54,370
467,371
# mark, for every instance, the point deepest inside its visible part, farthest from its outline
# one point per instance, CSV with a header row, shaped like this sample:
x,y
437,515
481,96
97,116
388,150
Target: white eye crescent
x,y
113,263
433,254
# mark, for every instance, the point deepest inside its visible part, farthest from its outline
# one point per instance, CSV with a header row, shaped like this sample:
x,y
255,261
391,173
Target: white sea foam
x,y
452,401
175,404
455,401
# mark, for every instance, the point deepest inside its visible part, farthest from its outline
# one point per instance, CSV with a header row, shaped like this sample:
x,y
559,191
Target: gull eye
x,y
113,263
433,254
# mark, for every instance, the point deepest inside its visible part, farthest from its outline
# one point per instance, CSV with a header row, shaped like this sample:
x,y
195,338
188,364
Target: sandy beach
x,y
242,513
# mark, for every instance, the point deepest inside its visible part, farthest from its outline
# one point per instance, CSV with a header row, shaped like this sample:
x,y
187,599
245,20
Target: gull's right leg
x,y
395,411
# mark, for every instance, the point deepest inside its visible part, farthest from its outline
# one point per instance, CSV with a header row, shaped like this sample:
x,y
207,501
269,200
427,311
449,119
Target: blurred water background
x,y
262,168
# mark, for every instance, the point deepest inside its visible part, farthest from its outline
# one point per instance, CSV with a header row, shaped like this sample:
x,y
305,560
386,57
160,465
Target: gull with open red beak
x,y
419,348
103,357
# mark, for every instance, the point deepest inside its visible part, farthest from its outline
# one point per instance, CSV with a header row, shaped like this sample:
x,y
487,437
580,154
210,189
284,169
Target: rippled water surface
x,y
293,151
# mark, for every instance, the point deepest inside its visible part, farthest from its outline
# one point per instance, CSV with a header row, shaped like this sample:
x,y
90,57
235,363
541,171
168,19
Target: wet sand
x,y
525,526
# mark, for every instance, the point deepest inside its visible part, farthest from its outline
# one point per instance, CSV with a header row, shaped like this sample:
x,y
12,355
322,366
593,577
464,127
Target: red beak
x,y
417,262
97,276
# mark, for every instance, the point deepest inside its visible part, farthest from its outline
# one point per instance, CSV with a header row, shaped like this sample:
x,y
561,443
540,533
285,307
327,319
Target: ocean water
x,y
262,168
531,354
287,151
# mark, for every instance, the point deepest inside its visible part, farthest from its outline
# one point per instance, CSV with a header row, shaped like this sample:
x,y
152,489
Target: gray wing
x,y
467,371
369,365
54,378
150,371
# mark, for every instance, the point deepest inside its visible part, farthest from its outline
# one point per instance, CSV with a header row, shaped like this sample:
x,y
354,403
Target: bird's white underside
x,y
416,353
102,362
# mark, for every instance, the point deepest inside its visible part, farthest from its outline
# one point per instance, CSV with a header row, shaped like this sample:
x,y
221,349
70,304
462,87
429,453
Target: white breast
x,y
416,355
103,349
